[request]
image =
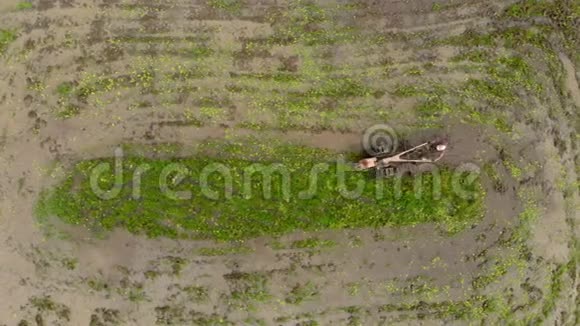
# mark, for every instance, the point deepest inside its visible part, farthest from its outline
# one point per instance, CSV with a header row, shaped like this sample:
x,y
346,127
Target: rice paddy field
x,y
172,162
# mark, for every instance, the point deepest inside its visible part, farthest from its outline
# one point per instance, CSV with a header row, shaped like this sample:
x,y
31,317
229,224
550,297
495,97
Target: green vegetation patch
x,y
563,13
232,6
239,197
308,23
246,289
301,293
6,37
24,5
312,243
232,250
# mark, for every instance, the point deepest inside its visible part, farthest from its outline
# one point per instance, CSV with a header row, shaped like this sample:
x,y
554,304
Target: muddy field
x,y
499,78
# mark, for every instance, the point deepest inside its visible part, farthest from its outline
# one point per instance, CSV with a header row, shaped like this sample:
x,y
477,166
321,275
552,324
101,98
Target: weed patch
x,y
6,37
301,293
231,6
309,23
24,5
223,251
312,243
247,289
273,198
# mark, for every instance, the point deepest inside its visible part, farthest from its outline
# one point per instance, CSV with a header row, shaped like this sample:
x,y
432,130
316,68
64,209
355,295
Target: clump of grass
x,y
309,23
301,293
191,293
170,315
433,90
105,316
433,108
231,6
6,37
515,171
408,91
68,107
199,52
355,241
97,284
223,251
133,291
528,8
494,90
281,76
65,89
247,289
69,111
151,274
556,288
272,199
45,304
24,5
176,264
312,243
414,71
179,315
492,173
564,14
470,38
196,293
499,269
341,87
514,71
69,263
477,55
437,7
514,37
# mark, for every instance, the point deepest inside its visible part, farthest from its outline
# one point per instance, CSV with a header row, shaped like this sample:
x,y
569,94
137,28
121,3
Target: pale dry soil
x,y
408,276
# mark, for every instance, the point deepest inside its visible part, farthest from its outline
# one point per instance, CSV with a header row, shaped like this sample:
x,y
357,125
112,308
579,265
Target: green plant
x,y
470,38
312,243
514,169
232,6
97,284
6,37
340,87
247,288
196,293
414,71
68,111
494,90
477,55
201,52
301,293
223,251
105,316
311,24
24,5
65,89
433,108
407,91
70,263
135,294
176,263
528,8
46,304
246,212
492,173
